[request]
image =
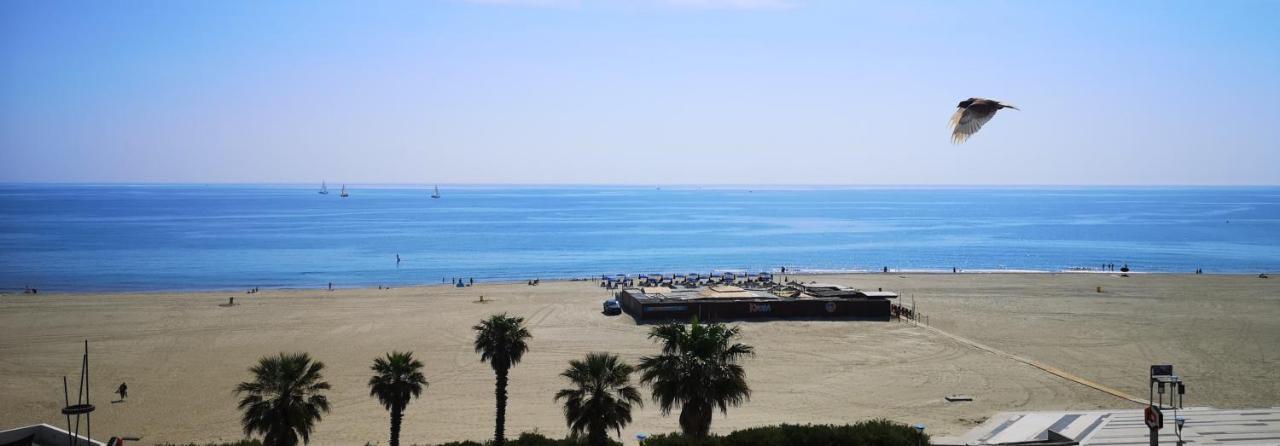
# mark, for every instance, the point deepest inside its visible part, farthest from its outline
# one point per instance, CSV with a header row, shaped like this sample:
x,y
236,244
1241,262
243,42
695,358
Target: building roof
x,y
43,435
701,293
1204,425
879,294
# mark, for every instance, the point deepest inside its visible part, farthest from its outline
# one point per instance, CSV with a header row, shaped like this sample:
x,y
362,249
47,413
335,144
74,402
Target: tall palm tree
x,y
285,399
500,340
600,398
697,370
396,379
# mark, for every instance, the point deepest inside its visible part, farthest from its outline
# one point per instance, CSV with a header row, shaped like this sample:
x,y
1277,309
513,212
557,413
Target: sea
x,y
214,237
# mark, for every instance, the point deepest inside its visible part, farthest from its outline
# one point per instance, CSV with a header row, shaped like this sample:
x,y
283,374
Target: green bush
x,y
678,439
530,439
866,433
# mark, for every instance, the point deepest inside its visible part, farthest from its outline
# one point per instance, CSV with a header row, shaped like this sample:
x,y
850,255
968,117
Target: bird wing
x,y
966,121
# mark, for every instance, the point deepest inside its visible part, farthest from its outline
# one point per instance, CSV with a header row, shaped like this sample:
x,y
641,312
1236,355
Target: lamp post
x,y
919,434
1178,421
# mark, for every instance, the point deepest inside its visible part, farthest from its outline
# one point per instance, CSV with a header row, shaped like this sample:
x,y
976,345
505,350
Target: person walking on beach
x,y
123,390
330,286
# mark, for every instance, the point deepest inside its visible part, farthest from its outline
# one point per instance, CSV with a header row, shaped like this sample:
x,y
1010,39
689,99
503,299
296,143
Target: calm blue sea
x,y
169,237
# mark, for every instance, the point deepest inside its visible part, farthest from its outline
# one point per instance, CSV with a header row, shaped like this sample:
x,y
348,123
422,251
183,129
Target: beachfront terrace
x,y
793,300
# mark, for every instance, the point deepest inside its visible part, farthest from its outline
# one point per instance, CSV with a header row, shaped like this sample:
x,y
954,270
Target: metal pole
x,y
88,419
66,398
79,397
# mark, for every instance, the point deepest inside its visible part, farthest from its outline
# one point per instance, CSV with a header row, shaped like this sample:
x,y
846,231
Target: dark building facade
x,y
647,308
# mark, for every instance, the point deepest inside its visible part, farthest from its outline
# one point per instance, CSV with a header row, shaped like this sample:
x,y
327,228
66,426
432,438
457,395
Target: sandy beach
x,y
182,353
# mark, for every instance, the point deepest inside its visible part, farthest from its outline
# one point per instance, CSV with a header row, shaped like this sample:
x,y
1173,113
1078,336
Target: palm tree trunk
x,y
397,414
597,435
500,392
695,418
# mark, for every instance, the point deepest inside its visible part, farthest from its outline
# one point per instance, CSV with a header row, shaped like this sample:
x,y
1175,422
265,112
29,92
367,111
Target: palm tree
x,y
397,379
697,370
285,399
500,340
600,398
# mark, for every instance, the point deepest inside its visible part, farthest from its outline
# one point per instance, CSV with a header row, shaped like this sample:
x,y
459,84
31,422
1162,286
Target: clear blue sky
x,y
638,91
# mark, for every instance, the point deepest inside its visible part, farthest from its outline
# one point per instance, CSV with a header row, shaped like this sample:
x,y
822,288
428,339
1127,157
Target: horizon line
x,y
588,184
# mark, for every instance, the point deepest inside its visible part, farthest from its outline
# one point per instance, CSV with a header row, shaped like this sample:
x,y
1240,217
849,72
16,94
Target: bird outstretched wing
x,y
966,121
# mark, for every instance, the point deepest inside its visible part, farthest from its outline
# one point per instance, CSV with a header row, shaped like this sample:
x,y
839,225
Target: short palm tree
x,y
600,398
697,370
285,399
396,379
501,340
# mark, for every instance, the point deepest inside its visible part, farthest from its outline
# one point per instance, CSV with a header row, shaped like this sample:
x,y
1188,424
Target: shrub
x,y
678,439
866,433
536,439
531,439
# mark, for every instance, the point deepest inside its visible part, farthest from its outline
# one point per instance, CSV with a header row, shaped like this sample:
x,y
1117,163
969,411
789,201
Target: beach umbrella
x,y
970,116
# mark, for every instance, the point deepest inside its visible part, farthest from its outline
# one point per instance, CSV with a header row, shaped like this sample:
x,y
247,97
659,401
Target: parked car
x,y
611,307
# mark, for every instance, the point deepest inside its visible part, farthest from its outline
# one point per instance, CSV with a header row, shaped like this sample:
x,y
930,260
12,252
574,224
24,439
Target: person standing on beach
x,y
123,390
330,286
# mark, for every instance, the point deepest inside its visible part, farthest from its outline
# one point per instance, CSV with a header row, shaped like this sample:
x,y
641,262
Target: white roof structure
x,y
42,435
1204,426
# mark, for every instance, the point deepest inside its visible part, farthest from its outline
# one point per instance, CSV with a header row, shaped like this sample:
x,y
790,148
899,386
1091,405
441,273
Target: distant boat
x,y
324,190
436,194
344,193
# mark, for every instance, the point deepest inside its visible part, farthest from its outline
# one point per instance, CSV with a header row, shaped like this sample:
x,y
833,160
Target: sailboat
x,y
436,194
344,193
324,190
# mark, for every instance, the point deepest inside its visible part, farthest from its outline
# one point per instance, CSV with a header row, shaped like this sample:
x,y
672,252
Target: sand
x,y
182,353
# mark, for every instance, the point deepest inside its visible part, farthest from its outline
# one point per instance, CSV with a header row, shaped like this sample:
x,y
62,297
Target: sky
x,y
700,92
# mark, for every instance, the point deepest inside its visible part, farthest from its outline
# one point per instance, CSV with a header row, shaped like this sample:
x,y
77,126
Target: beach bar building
x,y
726,302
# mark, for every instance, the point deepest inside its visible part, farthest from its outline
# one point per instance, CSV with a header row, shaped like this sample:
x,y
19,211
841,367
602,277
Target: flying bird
x,y
971,114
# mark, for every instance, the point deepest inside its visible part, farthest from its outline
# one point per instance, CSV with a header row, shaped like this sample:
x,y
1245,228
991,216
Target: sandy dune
x,y
182,353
